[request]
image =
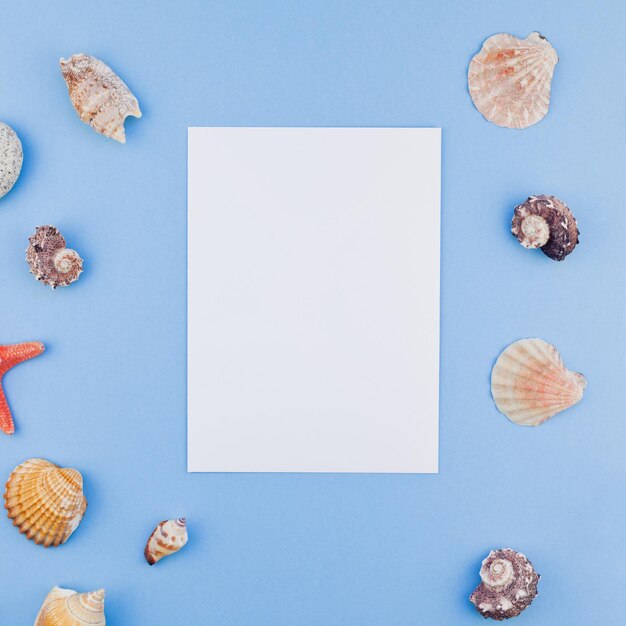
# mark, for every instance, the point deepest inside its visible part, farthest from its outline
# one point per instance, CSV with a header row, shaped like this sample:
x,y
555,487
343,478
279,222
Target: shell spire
x,y
168,537
101,98
66,607
529,382
510,79
45,501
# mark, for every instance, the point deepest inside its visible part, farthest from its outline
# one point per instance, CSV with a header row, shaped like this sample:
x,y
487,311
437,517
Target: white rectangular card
x,y
313,337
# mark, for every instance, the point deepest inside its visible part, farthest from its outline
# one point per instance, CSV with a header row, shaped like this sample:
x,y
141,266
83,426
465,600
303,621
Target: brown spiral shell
x,y
509,585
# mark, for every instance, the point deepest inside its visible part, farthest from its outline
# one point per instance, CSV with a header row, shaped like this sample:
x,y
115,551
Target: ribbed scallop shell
x,y
100,97
168,537
45,501
65,607
529,382
509,80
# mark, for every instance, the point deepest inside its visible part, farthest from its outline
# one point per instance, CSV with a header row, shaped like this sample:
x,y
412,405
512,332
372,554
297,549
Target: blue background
x,y
108,396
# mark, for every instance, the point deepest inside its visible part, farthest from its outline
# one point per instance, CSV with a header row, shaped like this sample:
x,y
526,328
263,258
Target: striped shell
x,y
65,607
529,382
100,97
45,501
509,80
168,537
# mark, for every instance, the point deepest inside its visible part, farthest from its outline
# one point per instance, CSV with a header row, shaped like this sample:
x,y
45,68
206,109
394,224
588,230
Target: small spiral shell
x,y
168,537
50,261
509,585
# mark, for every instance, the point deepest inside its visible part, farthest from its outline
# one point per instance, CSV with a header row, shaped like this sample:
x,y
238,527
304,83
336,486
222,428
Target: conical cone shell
x,y
529,382
65,607
168,537
45,501
510,79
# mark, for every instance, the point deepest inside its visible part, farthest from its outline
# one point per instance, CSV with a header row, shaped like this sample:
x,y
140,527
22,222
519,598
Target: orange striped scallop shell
x,y
529,382
510,79
45,501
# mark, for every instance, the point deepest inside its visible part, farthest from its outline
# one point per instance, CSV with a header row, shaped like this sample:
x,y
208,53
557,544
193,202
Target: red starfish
x,y
9,357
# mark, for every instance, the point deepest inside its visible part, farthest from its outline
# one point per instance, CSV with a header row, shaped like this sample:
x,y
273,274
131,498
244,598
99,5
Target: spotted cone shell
x,y
168,537
529,382
65,607
45,501
510,79
100,97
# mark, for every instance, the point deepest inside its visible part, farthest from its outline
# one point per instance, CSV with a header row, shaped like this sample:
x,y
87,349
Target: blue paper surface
x,y
108,396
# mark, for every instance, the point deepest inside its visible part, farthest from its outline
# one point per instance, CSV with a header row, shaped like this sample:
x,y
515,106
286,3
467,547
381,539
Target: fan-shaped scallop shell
x,y
168,537
529,382
100,97
45,501
509,80
66,607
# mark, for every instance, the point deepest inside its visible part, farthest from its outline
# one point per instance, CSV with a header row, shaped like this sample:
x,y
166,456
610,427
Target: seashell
x,y
168,537
10,356
100,97
509,79
546,222
66,607
11,158
45,501
509,585
529,382
50,261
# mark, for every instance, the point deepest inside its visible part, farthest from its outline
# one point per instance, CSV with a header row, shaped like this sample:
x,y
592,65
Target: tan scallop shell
x,y
509,80
65,607
45,501
168,537
100,97
529,382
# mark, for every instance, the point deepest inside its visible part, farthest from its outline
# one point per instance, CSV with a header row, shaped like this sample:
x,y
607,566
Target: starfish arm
x,y
6,419
10,356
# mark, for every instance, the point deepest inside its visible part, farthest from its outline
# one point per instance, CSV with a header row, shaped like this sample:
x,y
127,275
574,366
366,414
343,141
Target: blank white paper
x,y
313,299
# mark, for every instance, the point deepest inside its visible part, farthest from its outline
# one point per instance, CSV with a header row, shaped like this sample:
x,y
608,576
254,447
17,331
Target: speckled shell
x,y
168,537
65,607
50,261
510,79
529,382
45,501
99,95
509,585
11,158
546,222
